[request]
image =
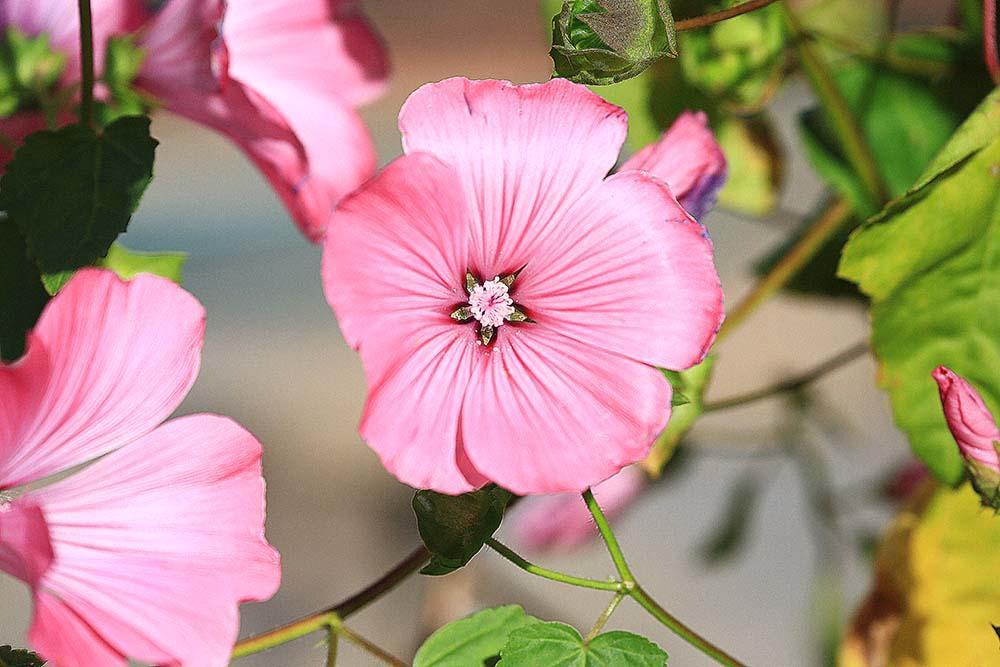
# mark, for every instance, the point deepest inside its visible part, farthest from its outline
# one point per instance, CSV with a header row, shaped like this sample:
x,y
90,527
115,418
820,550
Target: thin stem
x,y
332,639
845,125
842,358
609,538
823,229
709,19
322,619
86,64
681,630
602,620
990,45
368,646
562,577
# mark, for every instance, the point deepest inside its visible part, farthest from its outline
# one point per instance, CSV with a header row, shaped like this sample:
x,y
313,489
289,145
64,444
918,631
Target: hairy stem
x,y
538,571
86,64
825,226
716,17
609,537
602,620
842,358
326,617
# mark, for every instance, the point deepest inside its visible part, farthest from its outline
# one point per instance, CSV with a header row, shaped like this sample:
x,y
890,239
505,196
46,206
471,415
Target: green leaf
x,y
930,264
130,263
22,296
692,383
72,191
548,644
18,657
29,70
472,640
455,528
122,62
755,162
730,535
599,42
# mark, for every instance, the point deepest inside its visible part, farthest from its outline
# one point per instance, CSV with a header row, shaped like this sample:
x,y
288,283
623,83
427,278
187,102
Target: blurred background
x,y
275,361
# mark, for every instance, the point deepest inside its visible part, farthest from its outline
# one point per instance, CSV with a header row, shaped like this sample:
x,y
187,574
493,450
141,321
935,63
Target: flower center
x,y
490,305
490,302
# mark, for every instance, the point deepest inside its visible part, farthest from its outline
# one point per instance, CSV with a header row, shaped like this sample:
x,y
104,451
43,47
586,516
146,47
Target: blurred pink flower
x,y
148,551
688,158
904,481
562,521
280,78
974,428
555,389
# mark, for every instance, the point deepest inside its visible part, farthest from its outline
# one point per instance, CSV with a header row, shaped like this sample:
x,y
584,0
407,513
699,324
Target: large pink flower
x,y
511,303
969,420
148,551
280,78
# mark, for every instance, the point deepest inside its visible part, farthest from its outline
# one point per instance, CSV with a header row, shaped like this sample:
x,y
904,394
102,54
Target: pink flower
x,y
563,522
608,279
280,78
969,421
696,178
148,551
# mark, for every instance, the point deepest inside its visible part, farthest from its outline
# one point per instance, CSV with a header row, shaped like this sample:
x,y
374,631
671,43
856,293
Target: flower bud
x,y
975,430
600,42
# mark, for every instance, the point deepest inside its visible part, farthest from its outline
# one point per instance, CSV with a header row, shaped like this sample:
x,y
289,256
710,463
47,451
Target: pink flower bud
x,y
975,430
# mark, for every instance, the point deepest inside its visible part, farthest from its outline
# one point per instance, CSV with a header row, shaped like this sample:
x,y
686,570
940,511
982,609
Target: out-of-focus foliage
x,y
691,383
473,640
755,163
738,62
72,191
17,657
936,590
929,264
729,535
22,296
122,62
600,42
29,71
129,263
548,644
455,528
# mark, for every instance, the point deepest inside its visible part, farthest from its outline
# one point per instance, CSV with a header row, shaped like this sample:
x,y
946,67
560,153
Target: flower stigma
x,y
490,305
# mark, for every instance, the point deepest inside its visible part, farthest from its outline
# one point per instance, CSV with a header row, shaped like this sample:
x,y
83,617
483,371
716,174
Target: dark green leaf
x,y
22,296
730,535
455,528
17,657
72,191
548,644
692,382
929,264
600,42
473,640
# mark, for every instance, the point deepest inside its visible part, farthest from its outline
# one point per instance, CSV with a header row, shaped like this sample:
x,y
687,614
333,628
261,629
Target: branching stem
x,y
553,575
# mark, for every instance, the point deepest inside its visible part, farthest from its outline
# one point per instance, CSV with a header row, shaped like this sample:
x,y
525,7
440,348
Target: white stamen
x,y
490,303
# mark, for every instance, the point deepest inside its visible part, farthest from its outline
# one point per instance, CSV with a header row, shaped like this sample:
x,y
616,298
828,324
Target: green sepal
x,y
455,528
30,70
461,314
486,333
470,282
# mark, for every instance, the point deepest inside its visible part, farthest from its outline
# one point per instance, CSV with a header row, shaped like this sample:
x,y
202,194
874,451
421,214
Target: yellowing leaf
x,y
937,589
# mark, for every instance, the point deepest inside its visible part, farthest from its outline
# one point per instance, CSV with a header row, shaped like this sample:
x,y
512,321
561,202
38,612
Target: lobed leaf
x,y
472,640
547,644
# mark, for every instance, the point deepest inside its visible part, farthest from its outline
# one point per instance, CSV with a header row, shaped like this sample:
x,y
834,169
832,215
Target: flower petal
x,y
633,275
157,543
562,521
107,362
524,153
547,414
969,420
25,549
689,159
395,257
326,46
16,128
411,417
285,125
59,631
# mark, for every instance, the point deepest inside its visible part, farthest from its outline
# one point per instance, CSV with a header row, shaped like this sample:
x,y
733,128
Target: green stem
x,y
716,17
681,630
602,620
609,537
324,618
332,639
793,384
538,571
845,125
86,64
823,229
367,645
